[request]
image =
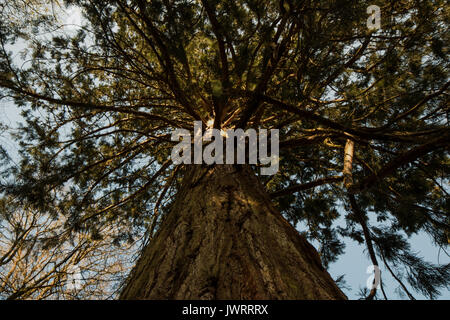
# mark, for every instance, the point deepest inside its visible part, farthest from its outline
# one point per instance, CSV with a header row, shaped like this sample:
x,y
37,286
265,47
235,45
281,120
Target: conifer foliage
x,y
363,117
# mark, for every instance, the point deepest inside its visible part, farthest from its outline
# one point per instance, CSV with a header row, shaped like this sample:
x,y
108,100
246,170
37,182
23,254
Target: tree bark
x,y
223,239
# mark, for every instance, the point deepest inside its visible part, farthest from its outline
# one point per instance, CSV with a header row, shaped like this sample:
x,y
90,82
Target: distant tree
x,y
363,119
38,259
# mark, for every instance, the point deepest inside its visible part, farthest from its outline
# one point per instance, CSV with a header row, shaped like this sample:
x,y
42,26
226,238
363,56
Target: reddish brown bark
x,y
223,239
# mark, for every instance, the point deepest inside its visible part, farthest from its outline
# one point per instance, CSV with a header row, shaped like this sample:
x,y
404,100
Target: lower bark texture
x,y
223,239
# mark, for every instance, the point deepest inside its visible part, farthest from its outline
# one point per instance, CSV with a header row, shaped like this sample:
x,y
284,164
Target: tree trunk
x,y
223,239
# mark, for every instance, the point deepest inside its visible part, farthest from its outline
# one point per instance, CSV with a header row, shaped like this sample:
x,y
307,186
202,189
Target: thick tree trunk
x,y
223,239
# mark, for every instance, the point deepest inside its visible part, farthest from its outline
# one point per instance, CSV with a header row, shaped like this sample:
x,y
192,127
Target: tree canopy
x,y
363,115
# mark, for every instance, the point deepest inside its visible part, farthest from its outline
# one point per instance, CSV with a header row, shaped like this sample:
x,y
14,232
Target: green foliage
x,y
100,103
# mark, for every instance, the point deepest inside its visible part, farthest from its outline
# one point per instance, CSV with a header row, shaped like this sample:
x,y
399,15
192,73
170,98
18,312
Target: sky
x,y
353,263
